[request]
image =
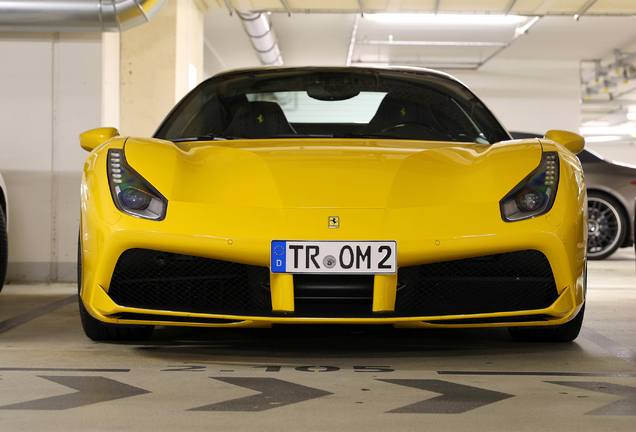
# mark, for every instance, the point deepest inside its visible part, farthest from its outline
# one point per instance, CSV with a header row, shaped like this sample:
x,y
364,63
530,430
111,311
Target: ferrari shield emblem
x,y
334,221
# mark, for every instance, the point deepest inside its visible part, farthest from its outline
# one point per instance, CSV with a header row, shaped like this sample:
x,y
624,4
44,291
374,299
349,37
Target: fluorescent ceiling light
x,y
625,129
595,123
603,138
399,18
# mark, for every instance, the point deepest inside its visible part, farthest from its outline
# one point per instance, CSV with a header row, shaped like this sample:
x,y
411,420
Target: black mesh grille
x,y
155,280
512,281
150,279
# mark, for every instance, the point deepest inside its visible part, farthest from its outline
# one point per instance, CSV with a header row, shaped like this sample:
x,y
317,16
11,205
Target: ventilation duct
x,y
259,29
76,15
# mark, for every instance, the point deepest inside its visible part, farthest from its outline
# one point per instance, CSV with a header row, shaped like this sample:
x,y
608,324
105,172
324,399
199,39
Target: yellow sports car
x,y
332,195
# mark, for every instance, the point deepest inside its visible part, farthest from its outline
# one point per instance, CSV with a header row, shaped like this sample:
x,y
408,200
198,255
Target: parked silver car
x,y
4,252
611,190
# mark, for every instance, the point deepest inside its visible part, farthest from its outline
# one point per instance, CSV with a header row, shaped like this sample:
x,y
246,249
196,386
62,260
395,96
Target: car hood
x,y
330,173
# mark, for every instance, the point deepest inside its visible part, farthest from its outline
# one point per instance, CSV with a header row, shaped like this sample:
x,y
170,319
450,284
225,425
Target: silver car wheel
x,y
606,227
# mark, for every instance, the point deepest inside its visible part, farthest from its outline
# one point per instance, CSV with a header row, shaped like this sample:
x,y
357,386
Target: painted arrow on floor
x,y
454,399
274,393
90,390
625,406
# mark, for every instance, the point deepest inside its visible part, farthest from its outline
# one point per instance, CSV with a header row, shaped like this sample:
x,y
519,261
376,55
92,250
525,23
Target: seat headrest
x,y
256,120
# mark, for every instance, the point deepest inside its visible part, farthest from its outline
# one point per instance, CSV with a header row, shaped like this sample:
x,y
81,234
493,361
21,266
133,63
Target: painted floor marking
x,y
564,374
89,390
12,323
18,369
610,346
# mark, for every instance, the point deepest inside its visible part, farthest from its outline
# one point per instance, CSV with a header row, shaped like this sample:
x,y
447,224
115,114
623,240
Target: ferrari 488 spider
x,y
332,195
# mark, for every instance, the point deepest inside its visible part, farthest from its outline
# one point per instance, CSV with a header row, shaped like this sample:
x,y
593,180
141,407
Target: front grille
x,y
508,282
505,282
338,296
149,279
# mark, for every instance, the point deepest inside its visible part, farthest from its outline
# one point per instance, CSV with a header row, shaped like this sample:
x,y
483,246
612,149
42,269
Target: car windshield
x,y
332,103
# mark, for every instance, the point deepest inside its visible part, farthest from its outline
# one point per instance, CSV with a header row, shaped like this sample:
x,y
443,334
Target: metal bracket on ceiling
x,y
603,78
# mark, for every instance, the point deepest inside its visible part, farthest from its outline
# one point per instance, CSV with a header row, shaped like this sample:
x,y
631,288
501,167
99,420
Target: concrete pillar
x,y
111,68
160,62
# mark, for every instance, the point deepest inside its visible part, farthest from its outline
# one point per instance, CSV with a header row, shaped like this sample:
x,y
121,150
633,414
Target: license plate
x,y
370,257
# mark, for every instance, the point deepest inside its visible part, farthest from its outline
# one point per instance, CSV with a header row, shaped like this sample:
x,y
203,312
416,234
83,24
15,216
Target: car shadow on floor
x,y
339,341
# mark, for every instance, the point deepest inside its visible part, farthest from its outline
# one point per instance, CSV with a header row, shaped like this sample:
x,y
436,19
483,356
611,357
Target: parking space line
x,y
610,346
12,323
18,369
564,374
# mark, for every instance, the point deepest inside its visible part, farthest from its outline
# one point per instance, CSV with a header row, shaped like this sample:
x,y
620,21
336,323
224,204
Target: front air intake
x,y
149,279
507,282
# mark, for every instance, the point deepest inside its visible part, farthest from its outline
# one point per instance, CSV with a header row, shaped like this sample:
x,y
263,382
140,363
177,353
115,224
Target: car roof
x,y
405,69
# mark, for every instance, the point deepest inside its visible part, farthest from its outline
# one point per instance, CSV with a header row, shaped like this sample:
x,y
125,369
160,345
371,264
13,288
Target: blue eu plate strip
x,y
279,248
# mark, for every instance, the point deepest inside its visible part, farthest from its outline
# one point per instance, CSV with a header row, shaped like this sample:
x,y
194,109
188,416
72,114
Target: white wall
x,y
528,95
227,46
50,92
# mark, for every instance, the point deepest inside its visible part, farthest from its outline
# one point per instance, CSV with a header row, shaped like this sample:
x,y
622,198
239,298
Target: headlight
x,y
535,194
131,193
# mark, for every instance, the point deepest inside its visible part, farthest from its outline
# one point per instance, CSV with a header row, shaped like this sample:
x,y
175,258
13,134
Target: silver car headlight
x,y
535,194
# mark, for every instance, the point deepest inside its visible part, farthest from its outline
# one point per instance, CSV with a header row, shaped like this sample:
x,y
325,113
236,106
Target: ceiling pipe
x,y
510,6
229,6
261,34
76,15
286,6
584,9
361,8
353,40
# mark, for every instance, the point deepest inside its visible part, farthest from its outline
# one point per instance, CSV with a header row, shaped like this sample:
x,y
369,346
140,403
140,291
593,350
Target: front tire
x,y
97,330
607,225
564,333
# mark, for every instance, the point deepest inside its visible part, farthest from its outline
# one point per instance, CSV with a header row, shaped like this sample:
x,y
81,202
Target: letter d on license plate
x,y
371,257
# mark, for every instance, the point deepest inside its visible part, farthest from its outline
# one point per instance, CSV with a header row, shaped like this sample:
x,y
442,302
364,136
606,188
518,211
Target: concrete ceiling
x,y
519,7
324,38
319,32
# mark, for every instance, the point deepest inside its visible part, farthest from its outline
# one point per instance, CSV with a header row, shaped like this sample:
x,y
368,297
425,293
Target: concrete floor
x,y
327,378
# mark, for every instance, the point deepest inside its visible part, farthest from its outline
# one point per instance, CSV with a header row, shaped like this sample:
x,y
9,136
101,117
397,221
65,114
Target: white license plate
x,y
370,257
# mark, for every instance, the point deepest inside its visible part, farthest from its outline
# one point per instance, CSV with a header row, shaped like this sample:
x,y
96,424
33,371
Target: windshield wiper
x,y
380,135
205,138
299,136
336,135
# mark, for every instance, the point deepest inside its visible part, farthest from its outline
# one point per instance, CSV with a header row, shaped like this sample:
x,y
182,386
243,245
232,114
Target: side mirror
x,y
569,140
89,140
